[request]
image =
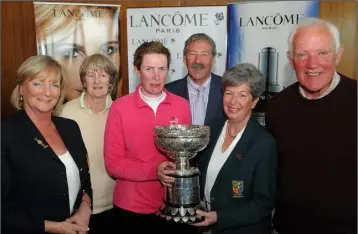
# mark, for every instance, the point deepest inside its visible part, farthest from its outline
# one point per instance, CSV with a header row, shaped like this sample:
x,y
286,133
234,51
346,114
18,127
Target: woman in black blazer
x,y
45,182
238,168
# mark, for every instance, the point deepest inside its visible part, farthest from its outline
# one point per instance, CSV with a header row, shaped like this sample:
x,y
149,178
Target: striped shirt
x,y
193,94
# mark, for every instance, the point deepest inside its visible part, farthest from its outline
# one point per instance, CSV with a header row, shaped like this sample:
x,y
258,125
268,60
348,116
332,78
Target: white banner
x,y
258,34
172,26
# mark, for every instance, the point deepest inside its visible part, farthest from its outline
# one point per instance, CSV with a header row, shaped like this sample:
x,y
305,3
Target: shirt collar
x,y
196,86
83,105
140,102
335,80
149,99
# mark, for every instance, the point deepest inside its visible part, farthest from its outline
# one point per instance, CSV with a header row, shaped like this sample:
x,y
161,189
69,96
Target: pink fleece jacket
x,y
130,154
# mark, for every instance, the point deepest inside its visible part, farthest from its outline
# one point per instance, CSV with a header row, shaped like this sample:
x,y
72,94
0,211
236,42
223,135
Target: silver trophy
x,y
181,143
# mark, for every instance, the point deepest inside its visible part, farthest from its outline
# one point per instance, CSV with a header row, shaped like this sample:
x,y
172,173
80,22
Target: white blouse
x,y
217,160
73,178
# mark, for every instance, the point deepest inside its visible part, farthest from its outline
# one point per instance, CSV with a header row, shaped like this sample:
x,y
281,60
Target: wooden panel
x,y
203,3
18,39
7,58
344,15
356,50
18,42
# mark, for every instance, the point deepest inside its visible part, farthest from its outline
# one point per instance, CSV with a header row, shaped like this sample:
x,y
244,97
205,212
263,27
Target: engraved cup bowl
x,y
182,139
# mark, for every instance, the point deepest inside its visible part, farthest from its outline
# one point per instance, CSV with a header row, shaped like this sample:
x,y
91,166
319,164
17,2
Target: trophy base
x,y
180,214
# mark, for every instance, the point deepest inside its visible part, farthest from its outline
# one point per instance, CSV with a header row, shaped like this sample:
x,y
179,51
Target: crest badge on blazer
x,y
237,188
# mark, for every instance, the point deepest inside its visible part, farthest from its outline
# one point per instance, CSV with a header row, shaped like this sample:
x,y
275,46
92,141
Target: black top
x,y
33,179
317,160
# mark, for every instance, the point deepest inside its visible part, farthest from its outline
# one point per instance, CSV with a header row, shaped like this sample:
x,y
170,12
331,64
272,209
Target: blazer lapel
x,y
215,99
31,131
183,88
238,153
67,139
241,147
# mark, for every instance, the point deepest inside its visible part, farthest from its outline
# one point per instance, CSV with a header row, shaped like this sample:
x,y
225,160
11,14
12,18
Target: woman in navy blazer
x,y
238,168
45,182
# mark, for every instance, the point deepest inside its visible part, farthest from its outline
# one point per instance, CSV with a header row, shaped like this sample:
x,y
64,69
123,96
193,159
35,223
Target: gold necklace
x,y
227,131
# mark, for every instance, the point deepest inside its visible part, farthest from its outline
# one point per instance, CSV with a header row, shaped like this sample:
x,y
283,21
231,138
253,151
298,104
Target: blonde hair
x,y
99,62
29,70
46,23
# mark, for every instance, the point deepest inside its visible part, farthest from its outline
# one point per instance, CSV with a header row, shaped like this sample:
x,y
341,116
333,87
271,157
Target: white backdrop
x,y
254,27
172,26
258,33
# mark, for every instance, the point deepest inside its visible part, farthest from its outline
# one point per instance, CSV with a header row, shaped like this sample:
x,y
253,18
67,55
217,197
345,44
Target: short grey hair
x,y
200,37
100,62
245,73
315,22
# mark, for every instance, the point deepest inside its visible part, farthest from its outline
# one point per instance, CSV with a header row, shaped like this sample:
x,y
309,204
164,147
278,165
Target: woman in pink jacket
x,y
130,154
